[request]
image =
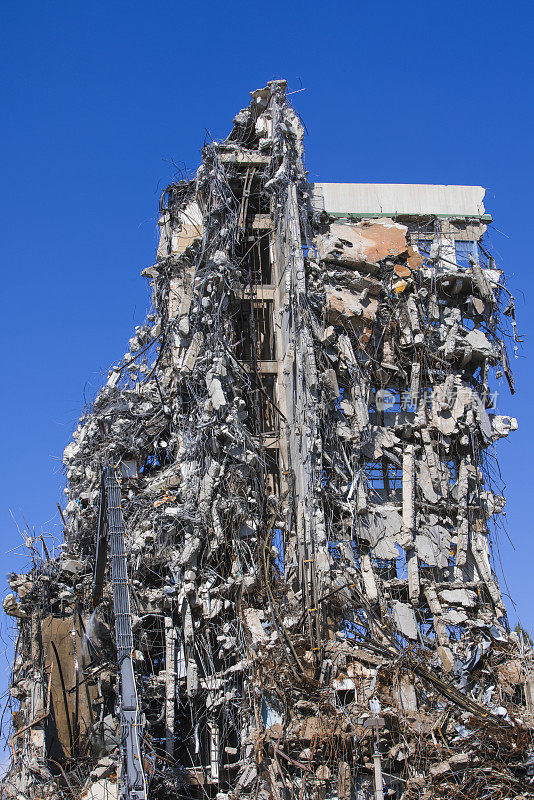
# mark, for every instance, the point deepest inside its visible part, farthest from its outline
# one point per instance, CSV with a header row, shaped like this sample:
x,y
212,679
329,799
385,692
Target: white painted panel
x,y
399,198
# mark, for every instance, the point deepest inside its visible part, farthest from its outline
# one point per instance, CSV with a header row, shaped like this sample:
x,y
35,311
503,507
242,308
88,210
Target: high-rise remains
x,y
277,578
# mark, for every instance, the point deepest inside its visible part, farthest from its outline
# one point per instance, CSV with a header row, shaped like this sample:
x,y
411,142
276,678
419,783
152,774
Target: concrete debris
x,y
276,576
345,304
462,597
12,607
363,245
502,426
404,617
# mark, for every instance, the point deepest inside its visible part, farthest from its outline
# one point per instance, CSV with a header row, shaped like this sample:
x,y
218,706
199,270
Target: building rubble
x,y
277,577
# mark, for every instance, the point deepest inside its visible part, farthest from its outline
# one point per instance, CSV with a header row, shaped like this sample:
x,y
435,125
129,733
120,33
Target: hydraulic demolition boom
x,y
111,530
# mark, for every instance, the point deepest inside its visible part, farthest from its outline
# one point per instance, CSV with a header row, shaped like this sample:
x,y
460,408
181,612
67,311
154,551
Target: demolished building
x,y
277,572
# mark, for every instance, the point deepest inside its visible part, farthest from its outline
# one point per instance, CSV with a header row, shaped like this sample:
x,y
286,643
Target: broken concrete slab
x,y
363,244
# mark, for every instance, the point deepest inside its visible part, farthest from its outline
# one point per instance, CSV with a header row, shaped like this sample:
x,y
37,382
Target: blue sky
x,y
103,102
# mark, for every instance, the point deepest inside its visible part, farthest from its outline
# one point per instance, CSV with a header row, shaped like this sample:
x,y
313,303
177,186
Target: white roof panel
x,y
393,199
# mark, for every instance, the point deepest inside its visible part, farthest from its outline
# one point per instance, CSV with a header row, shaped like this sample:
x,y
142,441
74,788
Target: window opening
x,y
465,252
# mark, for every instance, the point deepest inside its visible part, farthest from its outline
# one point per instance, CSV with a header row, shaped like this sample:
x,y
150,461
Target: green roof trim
x,y
367,215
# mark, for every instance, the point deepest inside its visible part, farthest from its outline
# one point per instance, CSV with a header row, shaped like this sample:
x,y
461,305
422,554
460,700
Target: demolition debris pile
x,y
276,579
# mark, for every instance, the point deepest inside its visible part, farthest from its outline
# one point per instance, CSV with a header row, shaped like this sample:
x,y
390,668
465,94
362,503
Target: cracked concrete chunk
x,y
363,244
462,597
404,618
502,425
254,626
357,309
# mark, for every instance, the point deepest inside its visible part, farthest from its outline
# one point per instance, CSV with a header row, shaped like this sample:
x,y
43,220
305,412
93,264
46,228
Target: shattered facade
x,y
276,580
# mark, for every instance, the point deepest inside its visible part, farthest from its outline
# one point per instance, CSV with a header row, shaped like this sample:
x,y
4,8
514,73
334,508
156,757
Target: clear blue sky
x,y
99,99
